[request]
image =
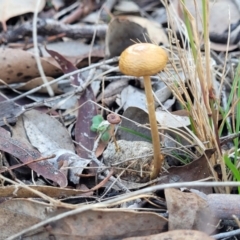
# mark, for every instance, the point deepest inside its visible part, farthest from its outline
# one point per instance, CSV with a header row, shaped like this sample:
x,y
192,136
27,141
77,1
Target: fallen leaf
x,y
70,48
46,133
168,119
105,225
164,118
112,89
15,215
12,8
123,30
84,136
133,97
126,6
35,82
189,211
87,110
175,235
137,117
20,66
74,163
25,154
9,111
162,92
196,170
224,206
96,55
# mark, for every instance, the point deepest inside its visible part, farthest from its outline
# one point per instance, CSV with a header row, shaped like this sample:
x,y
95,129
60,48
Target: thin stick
x,y
36,54
25,163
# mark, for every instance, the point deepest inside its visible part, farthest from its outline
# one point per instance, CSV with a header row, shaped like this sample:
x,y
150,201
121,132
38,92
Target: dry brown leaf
x,y
155,31
20,66
189,211
18,214
25,154
126,6
101,146
83,135
224,206
46,133
81,60
38,82
12,8
123,30
175,235
105,224
196,170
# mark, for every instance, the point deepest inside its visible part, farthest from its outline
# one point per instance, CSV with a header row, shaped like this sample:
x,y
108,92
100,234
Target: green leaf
x,y
105,137
233,169
96,121
94,128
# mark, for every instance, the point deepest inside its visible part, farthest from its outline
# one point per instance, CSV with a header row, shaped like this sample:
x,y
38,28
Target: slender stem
x,y
157,156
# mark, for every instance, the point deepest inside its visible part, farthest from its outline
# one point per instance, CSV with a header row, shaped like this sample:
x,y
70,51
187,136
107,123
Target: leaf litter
x,y
59,177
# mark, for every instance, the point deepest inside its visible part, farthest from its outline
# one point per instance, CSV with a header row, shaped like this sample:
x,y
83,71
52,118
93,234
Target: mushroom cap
x,y
142,59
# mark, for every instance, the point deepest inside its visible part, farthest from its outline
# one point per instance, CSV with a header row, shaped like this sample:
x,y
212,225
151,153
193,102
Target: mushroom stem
x,y
157,155
113,119
112,134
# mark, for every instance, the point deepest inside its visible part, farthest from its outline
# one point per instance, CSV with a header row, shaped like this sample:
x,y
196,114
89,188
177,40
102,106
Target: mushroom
x,y
146,59
113,119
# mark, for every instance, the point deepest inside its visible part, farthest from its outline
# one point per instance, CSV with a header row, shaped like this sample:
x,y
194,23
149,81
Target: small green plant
x,y
233,108
101,126
233,169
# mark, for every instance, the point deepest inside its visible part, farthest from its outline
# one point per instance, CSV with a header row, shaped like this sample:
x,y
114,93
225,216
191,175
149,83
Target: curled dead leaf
x,y
12,8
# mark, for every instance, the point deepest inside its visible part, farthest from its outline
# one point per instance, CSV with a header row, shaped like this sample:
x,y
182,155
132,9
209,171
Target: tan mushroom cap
x,y
142,59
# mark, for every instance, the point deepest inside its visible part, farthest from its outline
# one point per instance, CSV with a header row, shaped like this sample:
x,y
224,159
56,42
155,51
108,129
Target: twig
x,y
19,184
65,10
26,163
84,8
49,27
117,179
102,183
226,234
36,53
107,7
